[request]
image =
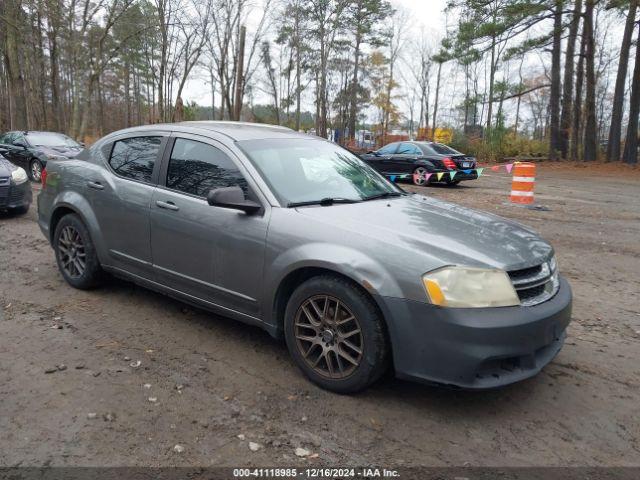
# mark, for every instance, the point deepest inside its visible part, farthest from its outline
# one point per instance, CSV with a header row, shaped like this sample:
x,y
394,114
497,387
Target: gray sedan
x,y
296,235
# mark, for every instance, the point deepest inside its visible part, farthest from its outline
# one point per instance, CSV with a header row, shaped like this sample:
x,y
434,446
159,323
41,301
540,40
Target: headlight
x,y
19,176
469,287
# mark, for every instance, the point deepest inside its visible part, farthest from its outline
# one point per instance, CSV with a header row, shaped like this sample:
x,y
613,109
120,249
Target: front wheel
x,y
35,170
335,334
75,253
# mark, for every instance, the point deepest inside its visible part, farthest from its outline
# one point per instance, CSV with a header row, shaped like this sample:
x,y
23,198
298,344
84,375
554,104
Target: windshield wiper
x,y
382,195
325,202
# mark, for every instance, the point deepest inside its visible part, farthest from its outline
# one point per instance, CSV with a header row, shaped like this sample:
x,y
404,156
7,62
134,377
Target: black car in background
x,y
15,189
31,150
420,158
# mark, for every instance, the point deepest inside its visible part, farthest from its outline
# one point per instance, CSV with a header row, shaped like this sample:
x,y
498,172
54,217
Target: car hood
x,y
447,233
62,150
6,167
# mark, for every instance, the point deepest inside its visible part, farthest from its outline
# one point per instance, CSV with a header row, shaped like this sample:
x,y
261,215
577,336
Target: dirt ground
x,y
212,385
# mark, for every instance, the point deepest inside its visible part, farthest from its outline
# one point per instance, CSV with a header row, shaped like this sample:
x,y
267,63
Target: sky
x,y
427,14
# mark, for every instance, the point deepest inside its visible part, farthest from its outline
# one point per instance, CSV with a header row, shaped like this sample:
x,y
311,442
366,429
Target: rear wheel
x,y
335,334
420,176
35,170
75,253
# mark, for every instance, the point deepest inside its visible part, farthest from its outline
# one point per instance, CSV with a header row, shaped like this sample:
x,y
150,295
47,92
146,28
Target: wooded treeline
x,y
522,76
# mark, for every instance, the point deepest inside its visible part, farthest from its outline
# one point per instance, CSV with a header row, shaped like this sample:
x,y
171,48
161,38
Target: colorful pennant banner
x,y
452,173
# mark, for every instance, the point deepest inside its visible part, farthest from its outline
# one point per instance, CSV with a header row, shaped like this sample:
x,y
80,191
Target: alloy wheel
x,y
328,336
72,252
420,176
36,170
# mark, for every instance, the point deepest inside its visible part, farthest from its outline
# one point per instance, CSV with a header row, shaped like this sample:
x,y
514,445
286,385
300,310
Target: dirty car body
x,y
251,221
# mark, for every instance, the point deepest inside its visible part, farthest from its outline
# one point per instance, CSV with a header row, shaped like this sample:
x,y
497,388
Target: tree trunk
x,y
492,76
127,94
615,130
240,74
576,130
17,95
567,94
353,91
631,144
554,96
435,103
590,129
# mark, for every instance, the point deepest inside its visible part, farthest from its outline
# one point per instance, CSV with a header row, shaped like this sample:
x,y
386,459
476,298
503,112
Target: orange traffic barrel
x,y
524,179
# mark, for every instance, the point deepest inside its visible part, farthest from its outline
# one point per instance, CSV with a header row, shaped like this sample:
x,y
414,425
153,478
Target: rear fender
x,y
80,205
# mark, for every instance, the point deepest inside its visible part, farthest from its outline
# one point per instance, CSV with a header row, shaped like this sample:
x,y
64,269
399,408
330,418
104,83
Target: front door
x,y
211,253
120,196
17,153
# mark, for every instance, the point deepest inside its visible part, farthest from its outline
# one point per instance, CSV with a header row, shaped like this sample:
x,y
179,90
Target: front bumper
x,y
475,348
15,196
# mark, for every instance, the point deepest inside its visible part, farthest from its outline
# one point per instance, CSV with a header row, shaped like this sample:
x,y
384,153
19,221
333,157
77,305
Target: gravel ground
x,y
213,386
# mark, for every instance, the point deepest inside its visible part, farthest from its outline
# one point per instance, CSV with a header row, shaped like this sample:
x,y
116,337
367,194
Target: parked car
x,y
421,158
296,235
15,190
31,150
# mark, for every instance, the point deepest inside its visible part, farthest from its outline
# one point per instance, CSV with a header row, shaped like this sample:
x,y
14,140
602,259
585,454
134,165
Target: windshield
x,y
306,170
44,139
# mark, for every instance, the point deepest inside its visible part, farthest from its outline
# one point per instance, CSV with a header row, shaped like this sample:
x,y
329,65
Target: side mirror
x,y
20,143
233,198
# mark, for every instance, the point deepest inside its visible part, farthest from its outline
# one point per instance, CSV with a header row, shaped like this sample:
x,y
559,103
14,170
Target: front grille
x,y
4,193
16,195
536,284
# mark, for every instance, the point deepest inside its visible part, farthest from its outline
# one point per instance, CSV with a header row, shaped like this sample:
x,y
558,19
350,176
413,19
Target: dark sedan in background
x,y
31,150
421,158
15,189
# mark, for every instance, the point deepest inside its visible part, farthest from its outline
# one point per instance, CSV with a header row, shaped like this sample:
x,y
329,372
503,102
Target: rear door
x,y
405,158
121,194
214,254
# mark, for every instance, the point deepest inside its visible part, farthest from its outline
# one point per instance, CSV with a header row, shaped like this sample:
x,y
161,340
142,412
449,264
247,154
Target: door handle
x,y
95,185
167,205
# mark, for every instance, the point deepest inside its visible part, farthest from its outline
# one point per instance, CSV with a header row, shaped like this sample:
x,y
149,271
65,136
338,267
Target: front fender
x,y
354,264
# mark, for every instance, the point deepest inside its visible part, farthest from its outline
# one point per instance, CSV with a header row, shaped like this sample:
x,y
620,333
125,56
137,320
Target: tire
x,y
331,340
71,239
453,183
35,170
419,176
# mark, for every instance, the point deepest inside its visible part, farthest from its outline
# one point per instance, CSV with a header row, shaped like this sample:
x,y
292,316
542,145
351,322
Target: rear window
x,y
443,149
135,157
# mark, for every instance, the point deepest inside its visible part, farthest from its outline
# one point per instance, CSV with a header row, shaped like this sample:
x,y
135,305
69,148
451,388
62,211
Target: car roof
x,y
236,131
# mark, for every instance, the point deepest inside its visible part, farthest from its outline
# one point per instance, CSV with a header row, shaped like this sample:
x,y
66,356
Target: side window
x,y
18,137
408,149
8,138
135,157
196,168
389,149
